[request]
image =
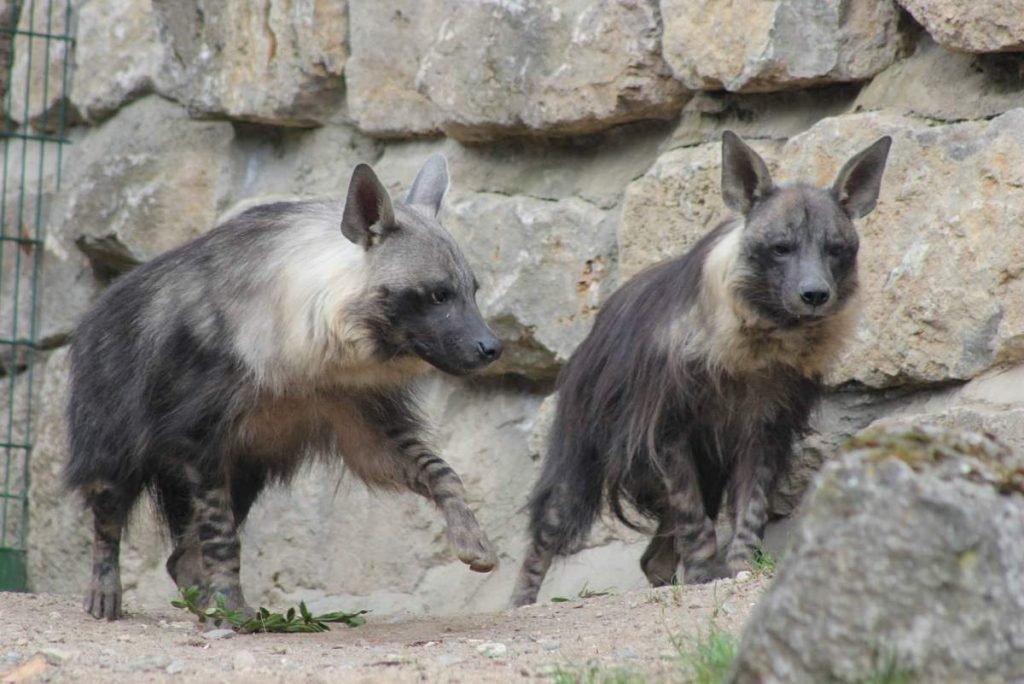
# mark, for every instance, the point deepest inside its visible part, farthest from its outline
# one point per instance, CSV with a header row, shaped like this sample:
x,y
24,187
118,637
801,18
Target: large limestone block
x,y
301,162
145,181
118,55
271,61
992,26
37,87
544,268
777,44
388,41
528,66
908,560
594,168
940,267
938,83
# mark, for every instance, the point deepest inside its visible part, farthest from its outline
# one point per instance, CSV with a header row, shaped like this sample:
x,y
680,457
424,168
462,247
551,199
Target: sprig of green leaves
x,y
264,621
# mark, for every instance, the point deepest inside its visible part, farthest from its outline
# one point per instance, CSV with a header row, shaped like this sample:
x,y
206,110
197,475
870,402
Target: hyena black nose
x,y
489,349
814,296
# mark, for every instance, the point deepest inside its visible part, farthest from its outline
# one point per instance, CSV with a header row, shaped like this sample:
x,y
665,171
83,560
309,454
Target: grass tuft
x,y
711,660
764,562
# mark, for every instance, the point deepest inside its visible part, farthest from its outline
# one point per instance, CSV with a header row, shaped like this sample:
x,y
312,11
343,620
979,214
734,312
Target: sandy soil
x,y
49,638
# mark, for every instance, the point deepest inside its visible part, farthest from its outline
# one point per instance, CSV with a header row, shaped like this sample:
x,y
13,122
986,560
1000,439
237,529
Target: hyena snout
x,y
458,344
815,292
479,350
811,291
489,348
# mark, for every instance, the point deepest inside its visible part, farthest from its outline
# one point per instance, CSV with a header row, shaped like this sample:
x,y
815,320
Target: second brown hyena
x,y
700,373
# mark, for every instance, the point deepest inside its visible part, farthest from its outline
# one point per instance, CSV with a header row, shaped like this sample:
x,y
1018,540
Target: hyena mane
x,y
701,372
291,331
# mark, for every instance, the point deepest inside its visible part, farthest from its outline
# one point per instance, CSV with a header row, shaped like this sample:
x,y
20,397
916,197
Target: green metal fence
x,y
35,52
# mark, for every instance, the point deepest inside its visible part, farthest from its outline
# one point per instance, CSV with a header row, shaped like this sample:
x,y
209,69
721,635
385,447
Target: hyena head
x,y
422,292
798,251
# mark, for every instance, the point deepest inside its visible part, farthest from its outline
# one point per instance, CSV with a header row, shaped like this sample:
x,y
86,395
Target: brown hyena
x,y
700,373
292,330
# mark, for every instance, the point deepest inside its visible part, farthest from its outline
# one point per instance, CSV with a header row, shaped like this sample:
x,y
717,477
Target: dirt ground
x,y
640,634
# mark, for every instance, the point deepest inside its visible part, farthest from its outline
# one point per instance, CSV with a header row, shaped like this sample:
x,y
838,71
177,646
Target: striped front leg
x,y
751,517
430,476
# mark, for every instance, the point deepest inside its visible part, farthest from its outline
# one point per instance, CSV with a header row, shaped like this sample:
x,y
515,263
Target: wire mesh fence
x,y
35,49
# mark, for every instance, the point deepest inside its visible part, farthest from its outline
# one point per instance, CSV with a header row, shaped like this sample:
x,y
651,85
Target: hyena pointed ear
x,y
368,211
860,180
430,186
745,176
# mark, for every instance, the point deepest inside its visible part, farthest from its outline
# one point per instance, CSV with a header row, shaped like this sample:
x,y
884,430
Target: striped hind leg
x,y
207,552
110,510
696,543
548,539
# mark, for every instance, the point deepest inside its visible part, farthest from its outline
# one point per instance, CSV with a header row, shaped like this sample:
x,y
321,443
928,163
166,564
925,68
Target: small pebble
x,y
550,644
215,634
744,576
448,659
11,658
492,650
175,667
626,653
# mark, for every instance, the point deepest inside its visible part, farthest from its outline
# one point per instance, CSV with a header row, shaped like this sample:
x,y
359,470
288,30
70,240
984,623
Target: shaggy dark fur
x,y
701,372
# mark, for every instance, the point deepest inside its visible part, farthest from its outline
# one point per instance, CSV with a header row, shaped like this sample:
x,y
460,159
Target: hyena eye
x,y
836,250
782,249
440,296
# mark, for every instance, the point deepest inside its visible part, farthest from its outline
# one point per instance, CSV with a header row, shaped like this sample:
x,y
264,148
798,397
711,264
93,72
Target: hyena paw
x,y
469,541
104,599
473,548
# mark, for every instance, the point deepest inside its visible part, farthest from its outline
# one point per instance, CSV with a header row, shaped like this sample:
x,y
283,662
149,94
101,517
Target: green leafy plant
x,y
764,562
264,621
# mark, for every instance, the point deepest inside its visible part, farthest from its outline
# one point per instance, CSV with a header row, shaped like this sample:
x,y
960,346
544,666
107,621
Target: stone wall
x,y
583,139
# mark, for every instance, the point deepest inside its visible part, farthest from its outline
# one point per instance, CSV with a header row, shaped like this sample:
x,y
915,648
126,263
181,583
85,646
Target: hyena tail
x,y
563,506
